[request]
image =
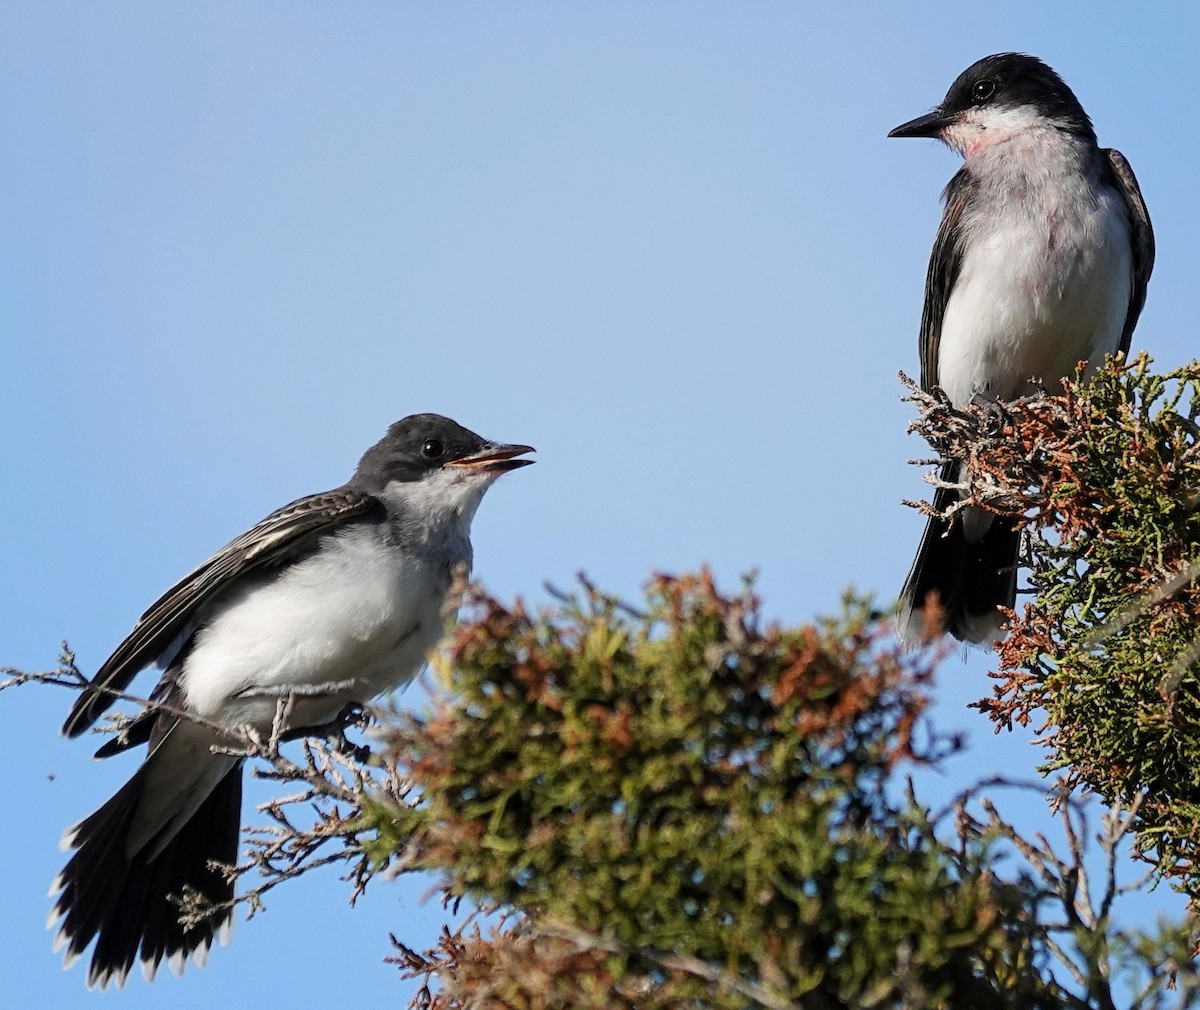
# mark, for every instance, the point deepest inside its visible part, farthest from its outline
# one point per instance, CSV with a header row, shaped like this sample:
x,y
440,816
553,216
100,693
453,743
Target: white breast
x,y
351,612
1045,283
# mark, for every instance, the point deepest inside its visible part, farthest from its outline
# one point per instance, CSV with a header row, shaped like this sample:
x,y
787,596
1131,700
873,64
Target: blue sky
x,y
666,243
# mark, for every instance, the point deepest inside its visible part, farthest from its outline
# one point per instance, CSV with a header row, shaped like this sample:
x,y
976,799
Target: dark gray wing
x,y
285,534
148,726
944,264
1141,237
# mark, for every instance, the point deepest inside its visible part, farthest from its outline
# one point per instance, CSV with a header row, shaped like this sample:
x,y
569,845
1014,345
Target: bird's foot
x,y
996,411
334,731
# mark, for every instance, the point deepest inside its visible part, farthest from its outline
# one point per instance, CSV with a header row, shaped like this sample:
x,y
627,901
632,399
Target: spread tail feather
x,y
971,579
123,900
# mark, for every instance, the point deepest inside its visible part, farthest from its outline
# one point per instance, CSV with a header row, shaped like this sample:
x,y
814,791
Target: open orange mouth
x,y
495,459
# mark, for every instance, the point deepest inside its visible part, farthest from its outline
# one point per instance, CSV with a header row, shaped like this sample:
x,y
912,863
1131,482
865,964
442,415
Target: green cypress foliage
x,y
1107,653
689,807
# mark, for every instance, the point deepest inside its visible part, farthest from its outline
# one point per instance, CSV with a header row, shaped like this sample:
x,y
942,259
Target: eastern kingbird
x,y
1041,261
344,588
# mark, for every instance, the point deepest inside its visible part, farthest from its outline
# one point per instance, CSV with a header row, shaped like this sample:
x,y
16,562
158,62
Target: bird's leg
x,y
996,410
353,714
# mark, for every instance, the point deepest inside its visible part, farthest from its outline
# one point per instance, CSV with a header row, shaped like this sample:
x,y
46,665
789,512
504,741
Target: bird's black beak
x,y
495,459
929,125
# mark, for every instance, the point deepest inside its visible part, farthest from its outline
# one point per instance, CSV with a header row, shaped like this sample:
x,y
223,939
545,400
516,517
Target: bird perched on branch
x,y
330,600
1041,261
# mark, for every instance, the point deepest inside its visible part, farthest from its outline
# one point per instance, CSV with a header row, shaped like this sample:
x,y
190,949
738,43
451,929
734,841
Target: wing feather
x,y
283,535
945,262
1141,238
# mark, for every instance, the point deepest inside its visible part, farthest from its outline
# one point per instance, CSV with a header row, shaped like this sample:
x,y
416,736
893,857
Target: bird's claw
x,y
334,731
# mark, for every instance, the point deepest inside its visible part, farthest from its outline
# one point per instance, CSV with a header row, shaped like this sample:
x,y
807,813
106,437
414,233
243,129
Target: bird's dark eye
x,y
981,91
433,448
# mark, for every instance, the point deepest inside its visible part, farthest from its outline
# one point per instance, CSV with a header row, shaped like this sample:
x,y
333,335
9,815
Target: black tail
x,y
124,900
971,579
